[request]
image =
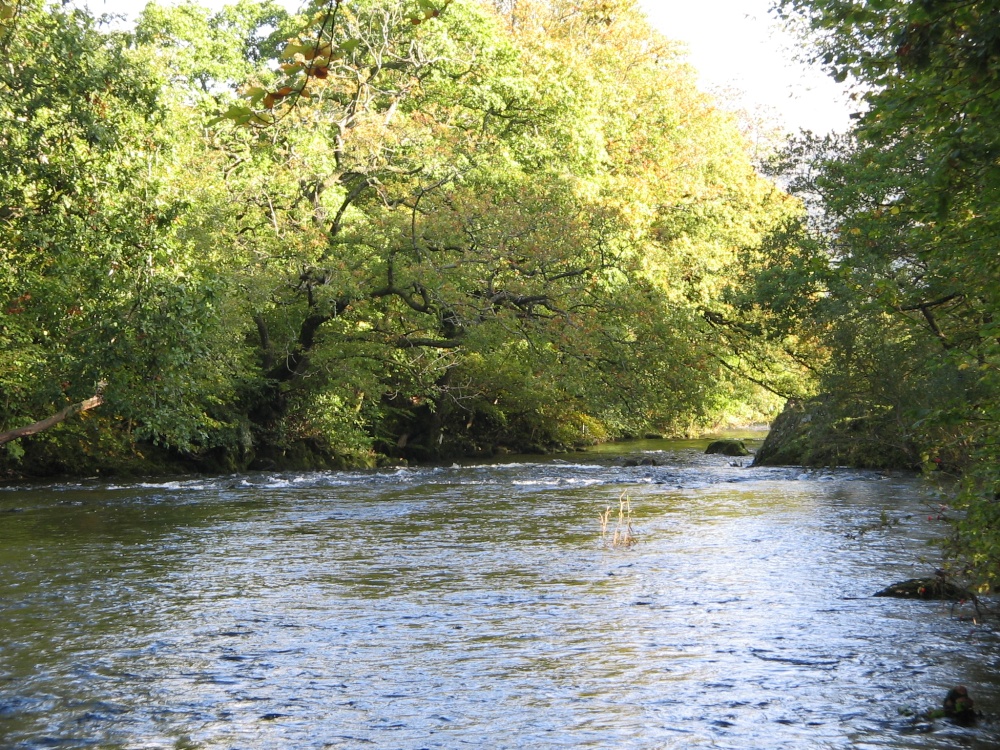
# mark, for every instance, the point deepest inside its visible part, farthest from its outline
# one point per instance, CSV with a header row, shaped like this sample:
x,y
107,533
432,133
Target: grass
x,y
623,535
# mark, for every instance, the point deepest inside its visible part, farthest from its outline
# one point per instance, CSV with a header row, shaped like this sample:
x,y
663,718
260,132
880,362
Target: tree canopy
x,y
409,229
893,272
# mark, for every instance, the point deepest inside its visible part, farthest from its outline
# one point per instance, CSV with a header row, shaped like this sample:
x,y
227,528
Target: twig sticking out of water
x,y
623,535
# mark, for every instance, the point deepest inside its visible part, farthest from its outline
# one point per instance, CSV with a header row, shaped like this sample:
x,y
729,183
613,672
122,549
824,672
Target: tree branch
x,y
927,305
755,381
40,426
406,342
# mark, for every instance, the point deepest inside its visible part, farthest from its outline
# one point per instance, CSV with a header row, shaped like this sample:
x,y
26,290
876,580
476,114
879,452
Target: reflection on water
x,y
476,607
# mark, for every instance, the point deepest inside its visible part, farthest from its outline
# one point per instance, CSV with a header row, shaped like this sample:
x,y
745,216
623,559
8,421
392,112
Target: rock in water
x,y
926,588
728,448
959,706
630,462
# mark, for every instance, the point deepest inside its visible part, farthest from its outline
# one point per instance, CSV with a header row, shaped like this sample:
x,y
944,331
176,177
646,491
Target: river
x,y
480,606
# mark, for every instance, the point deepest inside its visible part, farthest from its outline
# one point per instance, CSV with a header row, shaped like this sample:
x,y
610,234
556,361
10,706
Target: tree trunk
x,y
32,429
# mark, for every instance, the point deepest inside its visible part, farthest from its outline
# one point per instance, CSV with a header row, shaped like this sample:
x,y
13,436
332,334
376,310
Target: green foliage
x,y
906,213
93,289
422,229
206,54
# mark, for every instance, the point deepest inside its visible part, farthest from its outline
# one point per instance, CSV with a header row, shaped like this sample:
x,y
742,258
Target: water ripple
x,y
479,606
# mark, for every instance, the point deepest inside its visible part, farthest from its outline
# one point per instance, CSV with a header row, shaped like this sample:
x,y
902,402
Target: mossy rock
x,y
787,442
825,432
728,448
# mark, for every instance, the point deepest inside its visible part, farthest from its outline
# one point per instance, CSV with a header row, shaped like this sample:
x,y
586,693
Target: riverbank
x,y
101,452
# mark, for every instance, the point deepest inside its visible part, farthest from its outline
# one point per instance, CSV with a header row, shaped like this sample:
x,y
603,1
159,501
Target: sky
x,y
737,46
739,50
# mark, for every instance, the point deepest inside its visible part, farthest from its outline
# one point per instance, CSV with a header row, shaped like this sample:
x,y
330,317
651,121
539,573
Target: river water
x,y
479,606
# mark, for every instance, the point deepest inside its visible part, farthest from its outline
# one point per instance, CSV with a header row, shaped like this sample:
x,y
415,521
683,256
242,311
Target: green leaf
x,y
255,94
295,48
237,111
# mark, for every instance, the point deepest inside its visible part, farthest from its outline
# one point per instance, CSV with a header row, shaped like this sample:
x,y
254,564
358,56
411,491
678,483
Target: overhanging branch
x,y
40,426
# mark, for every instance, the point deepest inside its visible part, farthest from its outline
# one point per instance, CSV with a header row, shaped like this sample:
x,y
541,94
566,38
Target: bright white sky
x,y
737,47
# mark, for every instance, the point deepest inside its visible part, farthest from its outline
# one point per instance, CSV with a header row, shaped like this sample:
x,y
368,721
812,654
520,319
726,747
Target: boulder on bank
x,y
728,448
787,442
934,588
825,432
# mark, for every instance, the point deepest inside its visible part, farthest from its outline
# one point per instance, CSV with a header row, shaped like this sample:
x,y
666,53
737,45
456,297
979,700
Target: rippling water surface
x,y
478,606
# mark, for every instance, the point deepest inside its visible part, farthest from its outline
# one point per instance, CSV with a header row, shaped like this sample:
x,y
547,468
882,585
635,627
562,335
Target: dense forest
x,y
383,230
257,238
